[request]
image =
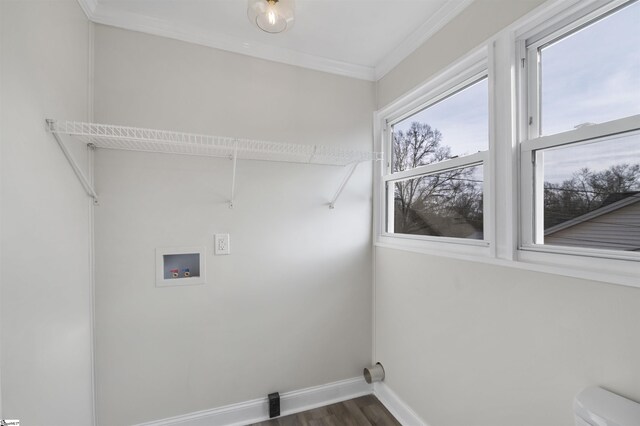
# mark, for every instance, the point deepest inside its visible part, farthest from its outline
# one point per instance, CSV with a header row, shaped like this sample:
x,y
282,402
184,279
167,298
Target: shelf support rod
x,y
352,168
72,161
313,154
233,177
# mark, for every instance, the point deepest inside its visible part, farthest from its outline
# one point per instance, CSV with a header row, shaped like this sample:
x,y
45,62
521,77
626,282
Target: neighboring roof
x,y
617,196
625,199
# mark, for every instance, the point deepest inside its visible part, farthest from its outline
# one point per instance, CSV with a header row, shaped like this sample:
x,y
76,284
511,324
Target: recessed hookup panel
x,y
180,266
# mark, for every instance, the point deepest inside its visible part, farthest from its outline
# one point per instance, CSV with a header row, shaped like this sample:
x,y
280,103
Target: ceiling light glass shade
x,y
272,16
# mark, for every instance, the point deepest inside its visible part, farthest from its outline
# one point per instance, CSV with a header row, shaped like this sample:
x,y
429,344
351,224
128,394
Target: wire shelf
x,y
151,140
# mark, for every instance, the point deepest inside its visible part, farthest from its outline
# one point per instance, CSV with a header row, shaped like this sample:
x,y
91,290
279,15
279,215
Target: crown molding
x,y
88,7
101,14
434,24
136,22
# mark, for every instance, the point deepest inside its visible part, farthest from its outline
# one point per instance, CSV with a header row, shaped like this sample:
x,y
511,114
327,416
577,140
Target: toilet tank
x,y
594,406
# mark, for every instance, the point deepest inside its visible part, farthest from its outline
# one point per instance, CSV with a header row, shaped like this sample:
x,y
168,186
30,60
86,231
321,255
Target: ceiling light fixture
x,y
272,16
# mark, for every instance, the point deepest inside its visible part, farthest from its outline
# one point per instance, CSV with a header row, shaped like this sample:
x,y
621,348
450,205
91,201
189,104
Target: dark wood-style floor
x,y
363,411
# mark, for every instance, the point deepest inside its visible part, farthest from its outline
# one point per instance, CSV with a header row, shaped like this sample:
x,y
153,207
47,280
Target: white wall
x,y
474,25
471,344
45,306
466,343
291,306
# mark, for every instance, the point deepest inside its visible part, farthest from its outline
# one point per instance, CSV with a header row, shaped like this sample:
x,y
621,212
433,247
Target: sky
x,y
590,76
462,118
593,75
561,162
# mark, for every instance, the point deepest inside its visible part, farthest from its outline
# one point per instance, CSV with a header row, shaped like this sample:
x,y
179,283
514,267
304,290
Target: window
x,y
580,152
435,179
524,152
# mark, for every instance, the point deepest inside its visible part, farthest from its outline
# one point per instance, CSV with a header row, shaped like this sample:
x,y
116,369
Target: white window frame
x,y
531,203
470,69
504,56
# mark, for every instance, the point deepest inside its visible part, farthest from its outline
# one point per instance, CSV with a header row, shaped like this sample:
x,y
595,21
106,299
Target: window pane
x,y
458,125
592,75
447,204
592,194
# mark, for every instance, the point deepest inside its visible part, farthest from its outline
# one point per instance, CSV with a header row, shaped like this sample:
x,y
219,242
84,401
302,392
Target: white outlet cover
x,y
221,244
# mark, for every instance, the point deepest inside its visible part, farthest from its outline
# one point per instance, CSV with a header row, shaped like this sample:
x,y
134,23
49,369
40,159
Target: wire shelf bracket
x,y
72,161
162,141
351,169
233,177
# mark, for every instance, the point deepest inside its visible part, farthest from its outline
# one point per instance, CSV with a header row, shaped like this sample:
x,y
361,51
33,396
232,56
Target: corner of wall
x,y
1,145
90,163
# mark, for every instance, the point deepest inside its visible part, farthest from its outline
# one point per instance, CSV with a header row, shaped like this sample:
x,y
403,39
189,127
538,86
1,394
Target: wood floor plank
x,y
362,411
302,419
331,420
379,416
337,409
288,421
363,401
356,413
342,415
317,413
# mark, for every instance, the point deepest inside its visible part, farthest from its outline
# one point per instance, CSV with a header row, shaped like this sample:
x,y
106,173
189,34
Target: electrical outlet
x,y
221,244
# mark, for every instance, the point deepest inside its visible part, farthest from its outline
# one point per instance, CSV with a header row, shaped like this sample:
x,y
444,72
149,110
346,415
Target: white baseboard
x,y
401,411
257,410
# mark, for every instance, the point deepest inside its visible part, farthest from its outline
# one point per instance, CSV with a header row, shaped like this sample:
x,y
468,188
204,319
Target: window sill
x,y
451,247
